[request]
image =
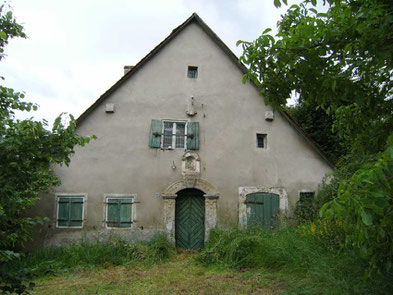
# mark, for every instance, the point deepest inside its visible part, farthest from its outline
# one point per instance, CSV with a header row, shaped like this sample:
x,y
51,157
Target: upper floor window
x,y
192,72
261,141
174,134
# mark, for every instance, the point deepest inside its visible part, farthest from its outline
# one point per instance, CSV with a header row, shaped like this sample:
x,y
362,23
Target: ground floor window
x,y
119,211
70,210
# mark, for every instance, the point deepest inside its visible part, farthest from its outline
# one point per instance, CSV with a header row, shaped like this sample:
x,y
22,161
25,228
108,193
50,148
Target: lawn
x,y
181,274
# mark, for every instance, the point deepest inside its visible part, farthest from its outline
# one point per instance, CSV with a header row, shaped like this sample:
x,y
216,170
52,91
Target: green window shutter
x,y
155,133
113,213
262,209
119,212
63,211
70,211
76,212
193,136
125,213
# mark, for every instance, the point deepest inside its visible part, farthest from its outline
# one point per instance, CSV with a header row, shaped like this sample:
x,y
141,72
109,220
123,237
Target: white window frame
x,y
68,195
119,196
173,146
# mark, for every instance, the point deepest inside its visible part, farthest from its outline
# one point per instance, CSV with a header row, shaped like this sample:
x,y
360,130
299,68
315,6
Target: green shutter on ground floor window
x,y
155,133
193,136
119,212
70,211
262,209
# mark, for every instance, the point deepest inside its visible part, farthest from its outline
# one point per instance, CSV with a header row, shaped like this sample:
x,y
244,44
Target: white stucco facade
x,y
230,114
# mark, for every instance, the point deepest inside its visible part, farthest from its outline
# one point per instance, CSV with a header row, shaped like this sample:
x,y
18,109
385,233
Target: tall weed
x,y
311,256
87,254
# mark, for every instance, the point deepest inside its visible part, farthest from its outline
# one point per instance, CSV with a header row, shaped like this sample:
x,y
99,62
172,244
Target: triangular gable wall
x,y
195,18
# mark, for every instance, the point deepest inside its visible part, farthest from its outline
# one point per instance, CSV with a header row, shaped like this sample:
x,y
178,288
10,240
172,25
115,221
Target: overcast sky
x,y
76,49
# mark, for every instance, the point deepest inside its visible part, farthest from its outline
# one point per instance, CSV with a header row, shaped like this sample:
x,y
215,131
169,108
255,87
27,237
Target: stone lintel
x,y
169,196
211,197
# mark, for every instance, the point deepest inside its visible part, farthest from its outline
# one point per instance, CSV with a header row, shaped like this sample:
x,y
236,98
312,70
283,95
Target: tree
x,y
319,126
27,151
341,60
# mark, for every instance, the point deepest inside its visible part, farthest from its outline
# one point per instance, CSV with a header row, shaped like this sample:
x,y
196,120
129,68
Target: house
x,y
182,147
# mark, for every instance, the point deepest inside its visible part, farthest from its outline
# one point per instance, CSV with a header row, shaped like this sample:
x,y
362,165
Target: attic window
x,y
261,140
192,72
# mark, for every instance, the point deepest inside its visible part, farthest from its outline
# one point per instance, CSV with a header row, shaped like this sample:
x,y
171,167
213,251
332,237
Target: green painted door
x,y
190,219
262,209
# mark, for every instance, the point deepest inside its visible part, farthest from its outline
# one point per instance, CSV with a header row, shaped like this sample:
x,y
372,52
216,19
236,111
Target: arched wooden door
x,y
262,209
190,219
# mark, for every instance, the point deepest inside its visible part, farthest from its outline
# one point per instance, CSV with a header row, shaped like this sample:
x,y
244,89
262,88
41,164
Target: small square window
x,y
70,210
192,72
306,196
261,140
119,211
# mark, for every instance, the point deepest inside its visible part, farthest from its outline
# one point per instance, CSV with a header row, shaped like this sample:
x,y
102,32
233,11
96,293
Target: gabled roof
x,y
195,18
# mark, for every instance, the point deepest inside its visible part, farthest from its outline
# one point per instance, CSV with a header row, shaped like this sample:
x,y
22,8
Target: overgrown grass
x,y
88,254
308,263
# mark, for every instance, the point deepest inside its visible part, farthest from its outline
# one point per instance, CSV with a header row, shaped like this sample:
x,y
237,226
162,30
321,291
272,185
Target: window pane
x,y
192,72
261,139
180,133
168,131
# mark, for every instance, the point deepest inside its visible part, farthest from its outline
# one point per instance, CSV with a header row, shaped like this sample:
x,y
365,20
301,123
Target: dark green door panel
x,y
190,219
262,209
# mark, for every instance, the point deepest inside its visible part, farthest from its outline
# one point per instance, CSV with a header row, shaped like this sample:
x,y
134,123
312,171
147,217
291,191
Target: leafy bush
x,y
365,205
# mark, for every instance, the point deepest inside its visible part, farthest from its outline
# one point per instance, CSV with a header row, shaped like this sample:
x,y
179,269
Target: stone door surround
x,y
211,196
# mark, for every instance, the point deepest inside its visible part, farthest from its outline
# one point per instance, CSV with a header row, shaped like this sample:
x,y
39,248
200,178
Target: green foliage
x,y
340,61
306,210
308,251
85,255
9,28
27,151
319,125
365,203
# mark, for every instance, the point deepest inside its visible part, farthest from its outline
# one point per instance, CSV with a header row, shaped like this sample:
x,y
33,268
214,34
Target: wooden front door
x,y
262,209
190,219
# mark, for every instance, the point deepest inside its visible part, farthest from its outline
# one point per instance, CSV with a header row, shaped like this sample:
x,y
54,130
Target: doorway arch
x,y
170,194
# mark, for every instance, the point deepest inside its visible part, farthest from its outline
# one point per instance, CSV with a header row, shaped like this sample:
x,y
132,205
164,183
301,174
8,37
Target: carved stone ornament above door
x,y
190,164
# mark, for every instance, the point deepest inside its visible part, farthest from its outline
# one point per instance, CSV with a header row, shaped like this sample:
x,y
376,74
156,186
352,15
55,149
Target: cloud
x,y
77,49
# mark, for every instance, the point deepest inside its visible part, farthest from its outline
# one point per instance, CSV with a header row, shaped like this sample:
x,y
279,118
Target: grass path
x,y
179,275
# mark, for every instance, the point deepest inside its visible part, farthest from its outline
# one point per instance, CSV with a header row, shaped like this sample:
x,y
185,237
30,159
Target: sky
x,y
76,49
